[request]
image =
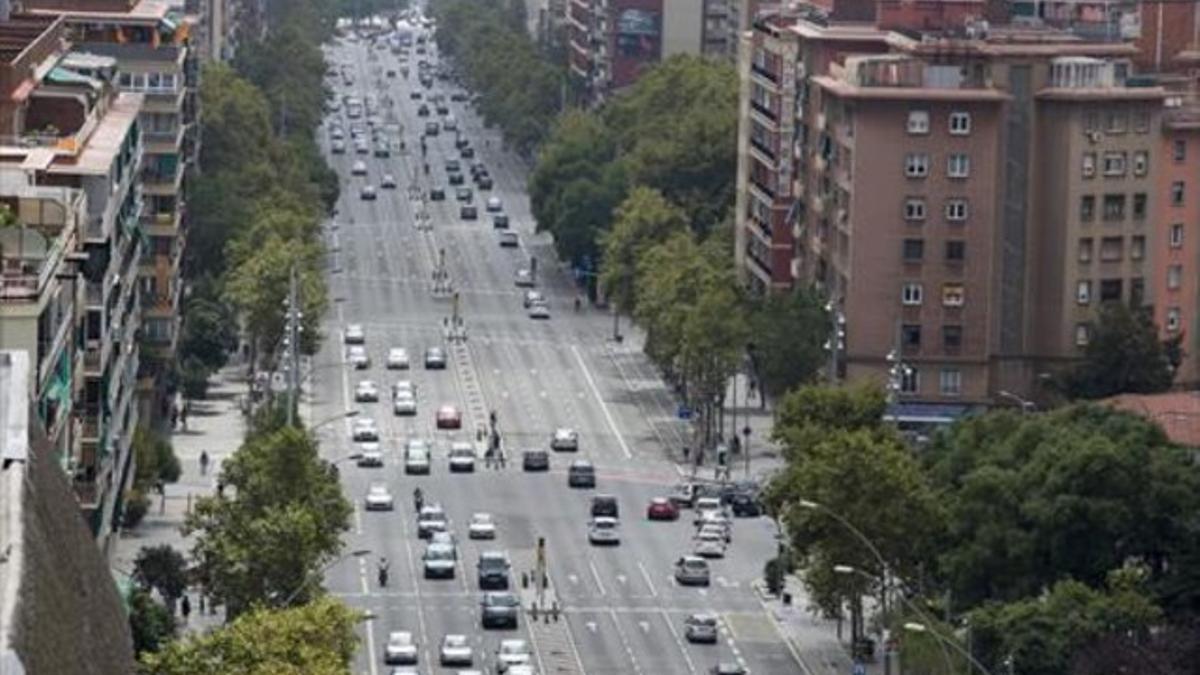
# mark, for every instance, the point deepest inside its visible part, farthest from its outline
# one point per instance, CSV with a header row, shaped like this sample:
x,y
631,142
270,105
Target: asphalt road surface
x,y
622,612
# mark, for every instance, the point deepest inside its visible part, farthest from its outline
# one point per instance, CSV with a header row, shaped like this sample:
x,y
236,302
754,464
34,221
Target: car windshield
x,y
703,620
515,647
439,553
433,513
493,563
503,600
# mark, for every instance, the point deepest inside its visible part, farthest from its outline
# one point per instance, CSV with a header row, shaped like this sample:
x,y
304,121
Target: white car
x,y
462,457
512,653
494,205
359,168
401,648
388,182
456,651
439,561
397,359
539,311
370,455
482,526
523,278
416,458
355,334
701,627
404,387
404,404
710,544
604,530
706,505
378,498
366,392
364,430
565,439
718,522
358,357
431,519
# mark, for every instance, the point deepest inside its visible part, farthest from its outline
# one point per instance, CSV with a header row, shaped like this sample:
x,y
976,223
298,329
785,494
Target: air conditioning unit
x,y
1093,136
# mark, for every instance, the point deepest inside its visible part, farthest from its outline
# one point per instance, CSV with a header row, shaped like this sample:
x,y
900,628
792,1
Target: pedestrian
x,y
183,416
174,417
686,451
220,487
185,608
203,462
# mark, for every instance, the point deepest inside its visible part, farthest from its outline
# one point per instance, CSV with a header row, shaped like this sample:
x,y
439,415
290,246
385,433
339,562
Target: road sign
x,y
683,412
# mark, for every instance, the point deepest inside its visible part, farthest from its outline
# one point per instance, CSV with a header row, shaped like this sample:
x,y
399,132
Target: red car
x,y
661,508
449,417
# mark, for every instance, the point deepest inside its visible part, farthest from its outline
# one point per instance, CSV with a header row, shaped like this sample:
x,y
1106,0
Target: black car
x,y
500,609
500,221
437,194
605,506
468,212
423,111
456,179
535,460
484,182
468,152
461,143
416,95
493,570
453,166
745,506
442,109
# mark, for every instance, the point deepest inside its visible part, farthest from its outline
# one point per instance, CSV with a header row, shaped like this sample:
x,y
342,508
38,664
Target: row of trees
x,y
1049,537
519,90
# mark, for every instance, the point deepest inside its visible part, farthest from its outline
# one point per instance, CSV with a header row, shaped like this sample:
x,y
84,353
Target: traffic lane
x,y
601,644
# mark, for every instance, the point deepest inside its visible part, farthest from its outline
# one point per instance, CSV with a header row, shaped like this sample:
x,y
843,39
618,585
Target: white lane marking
x,y
587,374
596,576
644,625
637,668
573,578
678,640
648,580
591,626
358,528
622,579
370,623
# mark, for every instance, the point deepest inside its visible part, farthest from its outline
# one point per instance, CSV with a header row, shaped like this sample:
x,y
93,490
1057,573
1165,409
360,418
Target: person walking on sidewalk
x,y
203,462
185,608
183,416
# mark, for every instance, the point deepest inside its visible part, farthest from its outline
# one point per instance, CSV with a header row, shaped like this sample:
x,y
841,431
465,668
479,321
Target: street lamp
x,y
943,641
1027,406
357,553
330,420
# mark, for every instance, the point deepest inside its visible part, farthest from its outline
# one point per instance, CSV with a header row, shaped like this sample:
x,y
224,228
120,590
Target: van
x,y
605,506
581,474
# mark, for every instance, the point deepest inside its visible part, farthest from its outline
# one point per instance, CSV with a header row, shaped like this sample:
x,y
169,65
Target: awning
x,y
68,76
926,413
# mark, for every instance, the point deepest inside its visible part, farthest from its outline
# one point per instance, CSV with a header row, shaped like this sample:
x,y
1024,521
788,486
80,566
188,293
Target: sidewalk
x,y
812,639
214,424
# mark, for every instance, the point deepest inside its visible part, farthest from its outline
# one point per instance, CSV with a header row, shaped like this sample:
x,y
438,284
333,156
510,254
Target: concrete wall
x,y
683,26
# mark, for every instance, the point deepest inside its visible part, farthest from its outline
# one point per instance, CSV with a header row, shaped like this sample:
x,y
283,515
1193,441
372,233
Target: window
x,y
1137,292
1179,150
1175,238
125,80
1141,121
168,81
951,381
1087,207
916,165
1141,162
952,336
1177,190
1139,206
1089,164
960,123
958,165
1115,122
910,380
1173,319
918,122
1083,334
1174,276
956,250
953,295
1083,292
1114,207
1110,290
912,294
1114,164
956,210
914,250
911,335
1091,120
153,81
1085,249
914,209
1137,247
1112,249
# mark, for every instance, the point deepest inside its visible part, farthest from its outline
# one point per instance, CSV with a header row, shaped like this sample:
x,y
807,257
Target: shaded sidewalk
x,y
813,640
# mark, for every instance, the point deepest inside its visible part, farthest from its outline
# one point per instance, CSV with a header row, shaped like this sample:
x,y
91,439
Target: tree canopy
x,y
788,333
1124,355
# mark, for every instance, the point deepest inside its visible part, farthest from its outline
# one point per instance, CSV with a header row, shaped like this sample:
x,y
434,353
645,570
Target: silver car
x,y
456,651
700,628
692,571
462,457
565,439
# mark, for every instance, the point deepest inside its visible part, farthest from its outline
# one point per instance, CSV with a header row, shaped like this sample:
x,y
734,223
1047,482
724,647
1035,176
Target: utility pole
x,y
292,343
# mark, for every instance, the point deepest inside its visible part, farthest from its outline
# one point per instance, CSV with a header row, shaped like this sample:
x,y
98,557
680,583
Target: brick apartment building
x,y
966,192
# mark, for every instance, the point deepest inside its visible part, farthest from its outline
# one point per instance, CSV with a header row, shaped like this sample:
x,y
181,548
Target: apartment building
x,y
966,194
70,154
611,42
151,43
1175,240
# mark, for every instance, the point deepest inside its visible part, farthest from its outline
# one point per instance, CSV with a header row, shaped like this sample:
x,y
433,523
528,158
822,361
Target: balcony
x,y
162,224
160,142
765,192
765,112
764,153
771,79
164,101
162,180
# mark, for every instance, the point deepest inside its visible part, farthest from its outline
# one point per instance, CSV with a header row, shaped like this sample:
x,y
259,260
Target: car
x,y
604,530
404,388
379,498
482,526
358,357
581,474
509,239
692,570
416,457
450,123
359,168
439,561
388,182
449,417
453,166
366,392
391,72
494,205
336,133
401,647
512,653
500,221
458,96
364,430
415,95
432,128
462,457
484,182
397,359
530,299
369,455
499,608
523,278
446,538
718,522
435,359
700,627
468,212
493,570
455,651
423,110
728,668
431,519
437,194
709,543
605,506
455,179
564,439
467,152
367,193
706,505
745,506
464,194
535,460
539,311
478,169
404,404
382,150
662,508
338,147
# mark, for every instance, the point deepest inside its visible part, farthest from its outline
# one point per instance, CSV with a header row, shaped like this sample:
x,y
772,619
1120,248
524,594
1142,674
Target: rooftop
x,y
19,33
133,51
1177,412
125,11
104,144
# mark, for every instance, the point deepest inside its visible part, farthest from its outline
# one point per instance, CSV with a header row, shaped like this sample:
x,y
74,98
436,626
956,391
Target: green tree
x,y
156,459
162,569
1124,355
208,332
313,639
806,414
150,622
268,544
644,219
258,287
789,334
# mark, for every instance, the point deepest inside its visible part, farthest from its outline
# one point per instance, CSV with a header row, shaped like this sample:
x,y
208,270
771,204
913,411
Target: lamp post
x,y
917,627
357,553
1027,406
335,418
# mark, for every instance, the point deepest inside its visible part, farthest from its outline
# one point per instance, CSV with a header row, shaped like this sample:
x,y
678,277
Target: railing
x,y
161,136
759,70
764,110
763,148
763,187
